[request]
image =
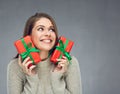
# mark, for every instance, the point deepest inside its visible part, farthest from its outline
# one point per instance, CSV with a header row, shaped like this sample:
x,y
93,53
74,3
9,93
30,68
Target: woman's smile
x,y
47,41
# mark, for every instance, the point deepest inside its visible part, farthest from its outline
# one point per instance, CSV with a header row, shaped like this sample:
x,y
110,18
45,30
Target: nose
x,y
48,33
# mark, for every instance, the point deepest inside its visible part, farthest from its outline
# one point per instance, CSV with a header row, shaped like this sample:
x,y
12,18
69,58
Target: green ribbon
x,y
62,47
29,49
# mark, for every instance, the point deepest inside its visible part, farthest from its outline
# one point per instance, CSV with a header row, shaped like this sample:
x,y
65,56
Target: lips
x,y
46,40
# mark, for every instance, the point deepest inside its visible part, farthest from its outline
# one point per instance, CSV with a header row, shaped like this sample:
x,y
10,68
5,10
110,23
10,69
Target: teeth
x,y
46,41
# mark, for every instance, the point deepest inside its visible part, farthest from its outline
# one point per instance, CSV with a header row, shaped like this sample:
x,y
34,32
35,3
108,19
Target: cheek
x,y
35,37
54,35
36,34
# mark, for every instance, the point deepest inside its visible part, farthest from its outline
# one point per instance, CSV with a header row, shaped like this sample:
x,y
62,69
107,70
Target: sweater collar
x,y
45,62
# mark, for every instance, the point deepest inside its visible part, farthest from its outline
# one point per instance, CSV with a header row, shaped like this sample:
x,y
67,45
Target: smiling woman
x,y
45,77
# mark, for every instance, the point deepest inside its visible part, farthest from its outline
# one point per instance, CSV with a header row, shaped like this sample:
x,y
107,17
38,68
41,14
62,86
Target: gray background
x,y
94,26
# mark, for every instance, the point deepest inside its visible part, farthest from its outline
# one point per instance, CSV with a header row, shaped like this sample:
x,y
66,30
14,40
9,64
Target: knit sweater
x,y
45,81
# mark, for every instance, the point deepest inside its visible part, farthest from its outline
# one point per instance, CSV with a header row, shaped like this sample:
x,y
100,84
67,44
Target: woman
x,y
45,77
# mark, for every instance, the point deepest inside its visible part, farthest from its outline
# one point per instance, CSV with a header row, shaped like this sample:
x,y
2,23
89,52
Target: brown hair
x,y
33,19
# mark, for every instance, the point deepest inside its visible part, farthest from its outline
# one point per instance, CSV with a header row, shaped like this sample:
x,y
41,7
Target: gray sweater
x,y
45,81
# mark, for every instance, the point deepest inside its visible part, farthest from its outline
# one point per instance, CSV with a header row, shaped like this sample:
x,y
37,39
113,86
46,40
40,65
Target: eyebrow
x,y
43,26
40,26
51,26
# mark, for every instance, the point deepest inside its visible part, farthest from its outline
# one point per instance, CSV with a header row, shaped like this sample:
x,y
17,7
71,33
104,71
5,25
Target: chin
x,y
45,48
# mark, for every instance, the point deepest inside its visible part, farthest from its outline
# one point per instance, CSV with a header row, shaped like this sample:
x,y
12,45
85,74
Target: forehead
x,y
43,21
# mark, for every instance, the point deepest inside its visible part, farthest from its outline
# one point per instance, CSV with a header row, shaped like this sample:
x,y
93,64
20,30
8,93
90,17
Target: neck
x,y
44,55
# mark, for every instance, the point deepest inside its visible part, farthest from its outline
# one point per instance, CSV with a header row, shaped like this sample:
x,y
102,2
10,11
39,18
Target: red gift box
x,y
63,44
25,48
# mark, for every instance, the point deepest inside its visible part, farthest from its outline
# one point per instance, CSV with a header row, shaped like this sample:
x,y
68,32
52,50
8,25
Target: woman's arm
x,y
68,83
18,82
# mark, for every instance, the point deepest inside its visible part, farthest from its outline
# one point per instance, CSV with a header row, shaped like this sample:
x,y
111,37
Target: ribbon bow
x,y
29,49
61,48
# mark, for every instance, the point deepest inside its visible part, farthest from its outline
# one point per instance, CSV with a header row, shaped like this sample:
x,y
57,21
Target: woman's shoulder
x,y
74,60
73,66
13,64
13,68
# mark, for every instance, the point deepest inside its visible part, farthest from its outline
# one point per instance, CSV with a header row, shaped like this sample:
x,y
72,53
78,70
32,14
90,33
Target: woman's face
x,y
43,34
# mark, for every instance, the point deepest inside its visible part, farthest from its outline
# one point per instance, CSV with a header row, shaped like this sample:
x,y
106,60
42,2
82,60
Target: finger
x,y
32,67
61,60
59,66
25,61
64,57
58,60
28,64
66,61
19,60
63,67
63,64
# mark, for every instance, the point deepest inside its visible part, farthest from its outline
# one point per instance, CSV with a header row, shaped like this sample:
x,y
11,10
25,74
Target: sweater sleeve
x,y
70,83
18,82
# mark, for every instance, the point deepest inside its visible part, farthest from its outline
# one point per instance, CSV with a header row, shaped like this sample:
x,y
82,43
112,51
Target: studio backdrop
x,y
94,26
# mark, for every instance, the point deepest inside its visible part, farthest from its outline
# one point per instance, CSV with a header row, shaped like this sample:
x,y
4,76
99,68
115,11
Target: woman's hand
x,y
62,65
27,66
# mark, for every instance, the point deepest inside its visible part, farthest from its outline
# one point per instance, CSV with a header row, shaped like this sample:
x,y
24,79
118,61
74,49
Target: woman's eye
x,y
52,30
40,29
